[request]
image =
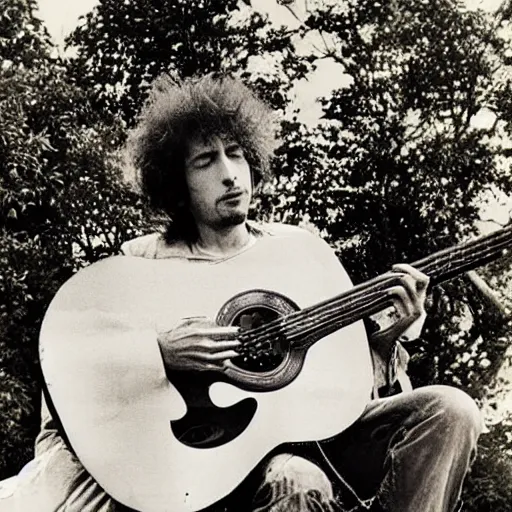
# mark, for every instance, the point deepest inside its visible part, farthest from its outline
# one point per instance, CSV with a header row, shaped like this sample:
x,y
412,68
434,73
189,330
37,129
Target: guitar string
x,y
290,321
454,265
263,338
371,303
473,252
309,313
310,319
359,289
348,317
453,260
331,321
470,246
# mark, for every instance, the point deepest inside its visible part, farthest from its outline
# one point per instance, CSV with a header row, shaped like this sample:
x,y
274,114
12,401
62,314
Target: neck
x,y
223,241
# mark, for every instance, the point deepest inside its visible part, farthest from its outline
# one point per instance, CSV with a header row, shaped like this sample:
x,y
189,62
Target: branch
x,y
487,293
328,51
494,221
416,133
86,247
289,9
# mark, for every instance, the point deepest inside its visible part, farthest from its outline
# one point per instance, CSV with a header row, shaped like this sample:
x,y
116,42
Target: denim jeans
x,y
407,453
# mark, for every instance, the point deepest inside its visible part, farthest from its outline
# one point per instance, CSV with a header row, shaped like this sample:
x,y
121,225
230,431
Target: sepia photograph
x,y
256,255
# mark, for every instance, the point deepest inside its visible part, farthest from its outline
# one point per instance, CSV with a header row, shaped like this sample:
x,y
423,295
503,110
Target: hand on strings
x,y
408,291
198,344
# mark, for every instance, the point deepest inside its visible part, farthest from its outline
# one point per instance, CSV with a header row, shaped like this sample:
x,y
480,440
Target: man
x,y
200,149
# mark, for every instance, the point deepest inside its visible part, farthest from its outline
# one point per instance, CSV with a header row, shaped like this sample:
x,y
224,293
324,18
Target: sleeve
x,y
413,332
146,246
53,480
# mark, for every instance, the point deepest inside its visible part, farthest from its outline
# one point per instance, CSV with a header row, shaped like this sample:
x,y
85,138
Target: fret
x,y
308,325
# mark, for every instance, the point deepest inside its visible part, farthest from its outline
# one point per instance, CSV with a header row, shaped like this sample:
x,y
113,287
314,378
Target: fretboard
x,y
315,322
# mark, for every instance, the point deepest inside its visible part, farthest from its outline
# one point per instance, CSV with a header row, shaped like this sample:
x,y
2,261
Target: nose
x,y
228,171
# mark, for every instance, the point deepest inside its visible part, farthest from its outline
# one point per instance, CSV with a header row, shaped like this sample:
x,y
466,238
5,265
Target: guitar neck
x,y
449,263
310,324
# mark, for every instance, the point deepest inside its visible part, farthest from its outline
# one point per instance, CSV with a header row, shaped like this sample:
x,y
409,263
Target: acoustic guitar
x,y
181,441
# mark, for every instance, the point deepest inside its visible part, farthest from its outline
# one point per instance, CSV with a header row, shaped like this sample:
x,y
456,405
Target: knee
x,y
299,473
455,409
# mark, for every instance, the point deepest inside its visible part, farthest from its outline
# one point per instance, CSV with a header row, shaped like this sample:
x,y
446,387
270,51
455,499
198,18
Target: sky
x,y
61,16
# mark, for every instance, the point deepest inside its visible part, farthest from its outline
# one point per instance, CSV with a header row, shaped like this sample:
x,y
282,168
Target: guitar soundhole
x,y
267,356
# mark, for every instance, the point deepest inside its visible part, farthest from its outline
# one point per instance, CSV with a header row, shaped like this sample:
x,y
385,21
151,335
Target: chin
x,y
234,219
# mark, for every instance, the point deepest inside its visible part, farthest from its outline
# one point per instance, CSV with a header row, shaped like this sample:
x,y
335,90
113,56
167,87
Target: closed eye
x,y
203,160
235,151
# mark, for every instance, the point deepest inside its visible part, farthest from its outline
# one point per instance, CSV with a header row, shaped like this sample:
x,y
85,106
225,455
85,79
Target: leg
x,y
54,482
284,482
293,484
412,450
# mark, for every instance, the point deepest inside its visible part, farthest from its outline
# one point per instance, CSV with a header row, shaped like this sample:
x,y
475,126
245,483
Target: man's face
x,y
219,182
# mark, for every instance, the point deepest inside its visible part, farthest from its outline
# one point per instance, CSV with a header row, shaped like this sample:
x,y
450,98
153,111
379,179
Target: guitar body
x,y
181,442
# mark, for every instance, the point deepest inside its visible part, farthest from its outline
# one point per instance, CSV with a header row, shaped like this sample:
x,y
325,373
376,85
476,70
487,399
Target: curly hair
x,y
178,111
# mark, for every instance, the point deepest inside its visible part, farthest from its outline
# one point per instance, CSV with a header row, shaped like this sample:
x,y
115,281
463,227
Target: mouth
x,y
230,196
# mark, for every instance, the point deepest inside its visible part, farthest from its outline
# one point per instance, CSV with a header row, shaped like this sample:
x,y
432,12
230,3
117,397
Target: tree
x,y
399,167
416,78
25,44
62,200
61,206
122,47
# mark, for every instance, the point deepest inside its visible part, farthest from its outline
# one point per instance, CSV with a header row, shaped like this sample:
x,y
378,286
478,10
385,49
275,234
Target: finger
x,y
393,331
213,346
409,285
413,297
417,294
197,365
207,367
218,333
217,356
191,321
421,279
281,487
400,299
210,333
